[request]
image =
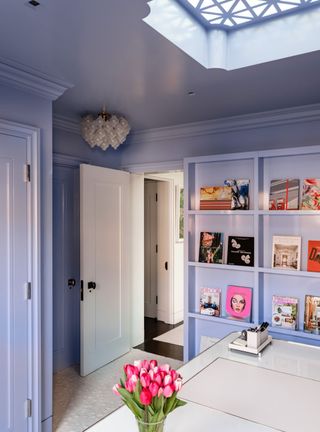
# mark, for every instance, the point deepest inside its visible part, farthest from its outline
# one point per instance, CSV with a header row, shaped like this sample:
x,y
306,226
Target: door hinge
x,y
156,197
28,290
29,408
27,173
156,248
156,299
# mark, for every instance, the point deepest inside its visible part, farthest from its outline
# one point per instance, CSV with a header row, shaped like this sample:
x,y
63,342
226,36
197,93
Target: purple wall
x,y
31,110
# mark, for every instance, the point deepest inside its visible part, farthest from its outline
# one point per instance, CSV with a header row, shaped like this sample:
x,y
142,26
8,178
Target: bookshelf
x,y
258,222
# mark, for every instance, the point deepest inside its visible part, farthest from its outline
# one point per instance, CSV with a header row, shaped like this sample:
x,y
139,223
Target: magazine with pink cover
x,y
239,303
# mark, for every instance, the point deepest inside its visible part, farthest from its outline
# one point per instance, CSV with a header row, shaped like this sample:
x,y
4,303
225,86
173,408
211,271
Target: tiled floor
x,y
154,328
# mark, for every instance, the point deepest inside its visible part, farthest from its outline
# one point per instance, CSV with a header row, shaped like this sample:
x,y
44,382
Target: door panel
x,y
150,242
105,260
66,307
14,275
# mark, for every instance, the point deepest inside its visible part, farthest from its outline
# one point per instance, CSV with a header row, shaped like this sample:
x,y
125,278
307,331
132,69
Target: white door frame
x,y
32,137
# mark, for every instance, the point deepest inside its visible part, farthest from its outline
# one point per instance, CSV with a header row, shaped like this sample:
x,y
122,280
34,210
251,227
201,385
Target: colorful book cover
x,y
311,194
286,252
313,256
312,314
210,301
211,247
239,193
285,312
240,251
239,302
284,194
215,198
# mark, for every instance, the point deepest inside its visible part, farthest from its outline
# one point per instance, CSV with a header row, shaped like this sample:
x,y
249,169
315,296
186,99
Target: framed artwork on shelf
x,y
179,213
286,252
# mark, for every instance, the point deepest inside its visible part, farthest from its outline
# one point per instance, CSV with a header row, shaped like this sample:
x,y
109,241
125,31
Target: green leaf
x,y
125,394
169,404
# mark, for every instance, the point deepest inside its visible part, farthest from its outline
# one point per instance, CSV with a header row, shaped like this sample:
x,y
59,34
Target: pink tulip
x,y
143,371
131,383
167,380
130,370
177,384
155,369
174,374
145,380
138,364
145,396
157,378
168,391
115,389
146,364
160,391
162,374
154,388
165,368
153,364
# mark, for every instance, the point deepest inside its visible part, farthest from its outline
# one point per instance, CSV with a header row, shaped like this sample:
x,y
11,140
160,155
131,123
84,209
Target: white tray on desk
x,y
245,349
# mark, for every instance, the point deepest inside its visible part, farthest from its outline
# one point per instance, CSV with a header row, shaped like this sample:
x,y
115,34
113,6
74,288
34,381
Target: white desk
x,y
219,399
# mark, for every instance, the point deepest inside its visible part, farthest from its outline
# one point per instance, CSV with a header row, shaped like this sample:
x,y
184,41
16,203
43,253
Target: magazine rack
x,y
258,222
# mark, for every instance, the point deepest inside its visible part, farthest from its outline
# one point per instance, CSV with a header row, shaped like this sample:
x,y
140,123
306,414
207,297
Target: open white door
x,y
105,266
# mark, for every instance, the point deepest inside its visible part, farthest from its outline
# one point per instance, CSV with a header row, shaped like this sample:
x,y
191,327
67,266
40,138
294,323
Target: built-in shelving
x,y
259,222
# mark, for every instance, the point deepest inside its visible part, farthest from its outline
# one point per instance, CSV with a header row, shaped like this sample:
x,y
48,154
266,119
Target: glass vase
x,y
150,427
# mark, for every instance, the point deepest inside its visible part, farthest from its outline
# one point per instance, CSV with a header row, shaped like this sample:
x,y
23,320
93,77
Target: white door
x,y
150,248
105,256
165,253
14,275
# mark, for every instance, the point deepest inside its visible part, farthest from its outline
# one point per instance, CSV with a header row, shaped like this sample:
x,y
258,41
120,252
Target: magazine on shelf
x,y
215,198
240,193
311,194
210,301
313,256
211,247
284,194
286,252
312,314
239,302
285,312
240,251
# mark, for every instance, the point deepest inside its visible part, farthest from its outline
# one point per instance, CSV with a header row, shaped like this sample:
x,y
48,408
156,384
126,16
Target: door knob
x,y
166,265
91,285
71,283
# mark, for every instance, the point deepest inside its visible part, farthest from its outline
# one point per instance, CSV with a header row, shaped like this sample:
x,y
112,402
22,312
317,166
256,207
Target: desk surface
x,y
286,358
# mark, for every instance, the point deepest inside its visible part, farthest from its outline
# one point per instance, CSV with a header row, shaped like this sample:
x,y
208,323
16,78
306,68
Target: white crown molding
x,y
67,124
307,113
154,167
33,81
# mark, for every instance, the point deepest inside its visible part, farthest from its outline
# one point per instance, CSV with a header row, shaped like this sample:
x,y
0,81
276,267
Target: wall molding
x,y
281,117
154,167
31,80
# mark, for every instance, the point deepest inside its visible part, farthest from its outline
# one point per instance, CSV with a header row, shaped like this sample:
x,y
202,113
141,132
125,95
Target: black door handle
x,y
71,283
91,285
166,265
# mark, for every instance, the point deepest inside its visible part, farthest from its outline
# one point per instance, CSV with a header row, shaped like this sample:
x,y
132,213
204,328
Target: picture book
x,y
240,251
311,194
312,314
239,193
284,194
210,301
313,256
238,303
211,247
285,312
215,198
286,252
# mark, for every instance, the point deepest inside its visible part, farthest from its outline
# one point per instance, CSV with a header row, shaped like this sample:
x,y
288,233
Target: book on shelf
x,y
210,301
313,256
239,303
312,314
286,252
215,198
240,251
284,194
311,194
285,312
211,247
239,193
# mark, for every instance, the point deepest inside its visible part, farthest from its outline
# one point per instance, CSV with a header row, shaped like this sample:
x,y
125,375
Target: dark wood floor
x,y
154,328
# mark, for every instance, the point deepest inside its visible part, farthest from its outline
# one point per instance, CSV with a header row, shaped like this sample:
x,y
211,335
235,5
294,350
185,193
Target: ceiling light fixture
x,y
105,130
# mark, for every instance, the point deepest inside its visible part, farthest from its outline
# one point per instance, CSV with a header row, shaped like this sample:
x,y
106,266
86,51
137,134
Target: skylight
x,y
231,14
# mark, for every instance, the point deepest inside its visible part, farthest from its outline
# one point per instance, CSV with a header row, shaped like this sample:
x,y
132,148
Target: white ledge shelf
x,y
295,333
221,266
289,212
299,273
220,320
222,212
